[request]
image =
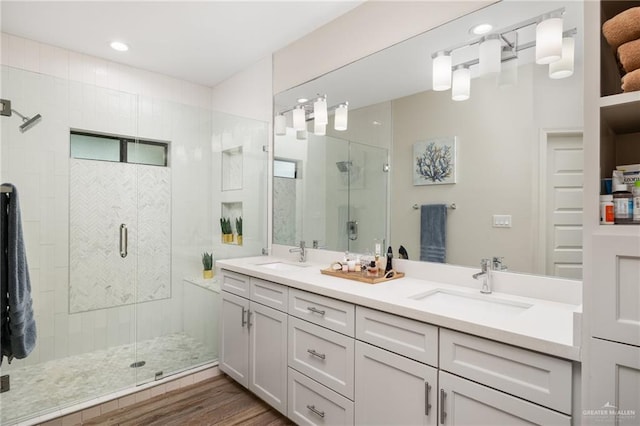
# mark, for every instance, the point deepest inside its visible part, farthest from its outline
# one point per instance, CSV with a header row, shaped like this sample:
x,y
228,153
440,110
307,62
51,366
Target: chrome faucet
x,y
486,265
301,249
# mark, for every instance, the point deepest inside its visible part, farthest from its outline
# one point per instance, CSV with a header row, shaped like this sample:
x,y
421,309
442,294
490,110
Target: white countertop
x,y
546,326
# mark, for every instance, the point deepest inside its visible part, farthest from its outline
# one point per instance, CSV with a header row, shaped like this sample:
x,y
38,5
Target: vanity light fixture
x,y
441,70
341,117
564,67
320,111
299,119
490,52
461,84
498,53
549,39
280,125
119,46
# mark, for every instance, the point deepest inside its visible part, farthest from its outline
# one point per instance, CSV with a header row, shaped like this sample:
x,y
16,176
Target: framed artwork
x,y
434,161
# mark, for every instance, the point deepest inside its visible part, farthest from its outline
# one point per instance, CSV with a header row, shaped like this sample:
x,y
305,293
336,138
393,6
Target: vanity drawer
x,y
270,294
235,283
413,339
535,377
323,355
331,313
310,403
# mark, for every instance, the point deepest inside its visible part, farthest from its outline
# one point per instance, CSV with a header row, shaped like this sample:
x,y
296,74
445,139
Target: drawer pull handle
x,y
443,414
315,310
249,324
244,322
316,354
427,405
315,411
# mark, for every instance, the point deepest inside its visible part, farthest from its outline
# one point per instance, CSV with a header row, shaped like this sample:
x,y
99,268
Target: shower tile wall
x,y
72,90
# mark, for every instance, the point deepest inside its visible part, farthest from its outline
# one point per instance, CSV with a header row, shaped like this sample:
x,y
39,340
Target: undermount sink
x,y
281,266
471,304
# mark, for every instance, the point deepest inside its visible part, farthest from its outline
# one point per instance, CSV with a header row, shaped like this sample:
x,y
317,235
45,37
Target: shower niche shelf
x,y
232,211
232,169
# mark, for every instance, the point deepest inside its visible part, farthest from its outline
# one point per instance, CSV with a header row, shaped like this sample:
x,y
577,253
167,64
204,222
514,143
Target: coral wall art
x,y
434,161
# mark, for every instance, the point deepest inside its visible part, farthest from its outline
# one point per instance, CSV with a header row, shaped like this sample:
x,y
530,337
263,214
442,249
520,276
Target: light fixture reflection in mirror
x,y
564,67
341,117
461,86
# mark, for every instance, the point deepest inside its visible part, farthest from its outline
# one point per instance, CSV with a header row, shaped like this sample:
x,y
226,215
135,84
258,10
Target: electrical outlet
x,y
4,384
502,221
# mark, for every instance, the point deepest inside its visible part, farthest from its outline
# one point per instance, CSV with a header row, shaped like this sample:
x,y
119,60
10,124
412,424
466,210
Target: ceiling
x,y
204,42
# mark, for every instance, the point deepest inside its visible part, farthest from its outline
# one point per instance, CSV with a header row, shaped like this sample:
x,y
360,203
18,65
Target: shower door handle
x,y
124,240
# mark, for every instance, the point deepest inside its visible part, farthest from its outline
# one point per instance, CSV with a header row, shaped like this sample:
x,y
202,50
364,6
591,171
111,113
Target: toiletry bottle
x,y
358,264
389,262
380,264
636,202
606,209
372,270
622,204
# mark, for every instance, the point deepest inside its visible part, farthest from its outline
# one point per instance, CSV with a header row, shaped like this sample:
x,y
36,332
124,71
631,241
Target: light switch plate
x,y
502,221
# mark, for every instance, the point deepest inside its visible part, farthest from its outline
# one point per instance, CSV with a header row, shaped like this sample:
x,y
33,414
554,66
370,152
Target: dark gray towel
x,y
433,221
18,332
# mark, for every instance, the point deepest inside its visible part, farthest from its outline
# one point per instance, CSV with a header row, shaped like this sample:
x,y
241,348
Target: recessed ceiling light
x,y
481,29
302,100
119,46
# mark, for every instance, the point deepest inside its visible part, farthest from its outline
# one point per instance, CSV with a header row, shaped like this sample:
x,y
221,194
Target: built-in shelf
x,y
211,284
232,169
621,112
233,211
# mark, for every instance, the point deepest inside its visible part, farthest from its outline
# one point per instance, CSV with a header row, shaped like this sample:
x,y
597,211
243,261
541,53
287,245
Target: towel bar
x,y
451,206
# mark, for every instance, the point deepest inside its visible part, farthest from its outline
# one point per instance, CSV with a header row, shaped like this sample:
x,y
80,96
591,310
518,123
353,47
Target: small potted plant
x,y
239,229
207,265
227,233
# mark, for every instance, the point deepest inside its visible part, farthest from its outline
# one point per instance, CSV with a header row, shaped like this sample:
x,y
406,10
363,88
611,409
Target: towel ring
x,y
451,206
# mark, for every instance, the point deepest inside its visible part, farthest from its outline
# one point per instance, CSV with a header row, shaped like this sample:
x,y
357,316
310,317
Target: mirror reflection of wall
x,y
514,144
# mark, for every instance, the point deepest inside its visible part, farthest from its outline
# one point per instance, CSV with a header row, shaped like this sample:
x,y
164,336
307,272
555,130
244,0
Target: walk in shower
x,y
121,194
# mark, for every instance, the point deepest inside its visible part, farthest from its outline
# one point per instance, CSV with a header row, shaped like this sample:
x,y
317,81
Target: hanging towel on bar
x,y
433,221
18,326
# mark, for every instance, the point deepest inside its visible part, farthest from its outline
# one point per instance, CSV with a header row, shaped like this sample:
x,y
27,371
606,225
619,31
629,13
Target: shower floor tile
x,y
54,385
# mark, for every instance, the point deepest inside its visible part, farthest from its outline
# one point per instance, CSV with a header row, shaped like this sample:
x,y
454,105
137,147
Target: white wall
x,y
73,90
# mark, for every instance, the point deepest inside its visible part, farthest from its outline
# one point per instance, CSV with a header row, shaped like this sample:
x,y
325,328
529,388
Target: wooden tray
x,y
360,276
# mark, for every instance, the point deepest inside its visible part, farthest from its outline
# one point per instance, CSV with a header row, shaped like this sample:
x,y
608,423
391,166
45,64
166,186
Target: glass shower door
x,y
368,176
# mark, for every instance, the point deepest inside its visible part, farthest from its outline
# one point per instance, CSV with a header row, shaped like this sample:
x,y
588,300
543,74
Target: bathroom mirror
x,y
518,151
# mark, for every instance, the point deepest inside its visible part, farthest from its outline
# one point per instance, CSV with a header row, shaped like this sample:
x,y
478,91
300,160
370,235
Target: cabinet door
x,y
463,402
614,397
268,355
392,389
616,294
234,337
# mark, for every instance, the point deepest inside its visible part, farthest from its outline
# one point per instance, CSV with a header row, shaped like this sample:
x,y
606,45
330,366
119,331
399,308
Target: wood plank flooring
x,y
216,401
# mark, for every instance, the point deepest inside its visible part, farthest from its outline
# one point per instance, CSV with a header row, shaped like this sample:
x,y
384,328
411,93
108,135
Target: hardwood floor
x,y
217,401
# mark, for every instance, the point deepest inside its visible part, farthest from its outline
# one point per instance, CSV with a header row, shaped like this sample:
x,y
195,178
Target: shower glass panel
x,y
367,196
128,319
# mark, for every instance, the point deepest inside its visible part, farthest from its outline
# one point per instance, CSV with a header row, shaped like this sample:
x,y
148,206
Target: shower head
x,y
344,166
28,123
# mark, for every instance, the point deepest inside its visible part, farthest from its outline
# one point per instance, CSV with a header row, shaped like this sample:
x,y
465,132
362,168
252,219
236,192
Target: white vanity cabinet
x,y
495,383
253,336
321,359
394,384
466,403
324,361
